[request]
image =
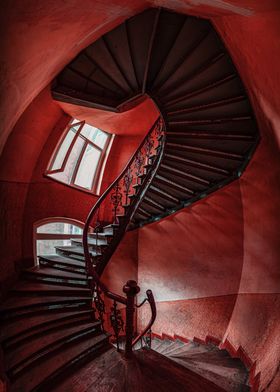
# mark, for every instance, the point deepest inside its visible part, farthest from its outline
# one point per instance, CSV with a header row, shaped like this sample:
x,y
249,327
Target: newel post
x,y
131,290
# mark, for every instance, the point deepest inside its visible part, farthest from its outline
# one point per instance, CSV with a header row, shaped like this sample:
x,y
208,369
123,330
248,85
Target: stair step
x,y
63,261
63,268
110,229
55,281
92,242
184,174
191,348
42,289
75,251
99,235
36,348
14,331
228,379
39,332
20,307
158,370
46,373
52,272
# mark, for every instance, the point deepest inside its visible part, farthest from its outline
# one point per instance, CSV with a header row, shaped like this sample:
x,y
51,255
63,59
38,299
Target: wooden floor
x,y
148,371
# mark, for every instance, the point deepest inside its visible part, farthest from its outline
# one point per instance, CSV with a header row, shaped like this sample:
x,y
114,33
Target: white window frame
x,y
104,152
53,236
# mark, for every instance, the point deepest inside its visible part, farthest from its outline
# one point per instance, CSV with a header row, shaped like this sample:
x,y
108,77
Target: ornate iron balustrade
x,y
111,215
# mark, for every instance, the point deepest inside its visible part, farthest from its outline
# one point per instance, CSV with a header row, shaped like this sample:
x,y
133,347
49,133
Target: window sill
x,y
74,187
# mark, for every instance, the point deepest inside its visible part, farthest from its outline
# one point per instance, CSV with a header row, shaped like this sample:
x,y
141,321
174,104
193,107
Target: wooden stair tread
x,y
49,271
40,345
159,374
17,329
44,373
64,260
91,241
77,250
230,382
146,371
41,287
25,301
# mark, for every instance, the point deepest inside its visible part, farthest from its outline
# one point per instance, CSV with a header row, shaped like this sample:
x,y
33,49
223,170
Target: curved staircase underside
x,y
180,62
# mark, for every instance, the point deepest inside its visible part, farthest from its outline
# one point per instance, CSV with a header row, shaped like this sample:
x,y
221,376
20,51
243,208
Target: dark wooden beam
x,y
211,135
107,46
151,43
101,69
207,64
163,194
210,105
184,174
201,90
180,188
65,94
210,121
197,164
183,58
162,66
204,151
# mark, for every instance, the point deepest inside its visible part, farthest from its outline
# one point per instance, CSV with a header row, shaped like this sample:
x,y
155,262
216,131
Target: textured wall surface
x,y
218,261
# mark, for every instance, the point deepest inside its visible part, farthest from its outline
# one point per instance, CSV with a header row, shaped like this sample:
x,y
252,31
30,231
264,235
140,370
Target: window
x,y
80,157
53,232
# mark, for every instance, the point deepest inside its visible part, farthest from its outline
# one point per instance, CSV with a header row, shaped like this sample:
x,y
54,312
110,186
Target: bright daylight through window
x,y
55,232
80,157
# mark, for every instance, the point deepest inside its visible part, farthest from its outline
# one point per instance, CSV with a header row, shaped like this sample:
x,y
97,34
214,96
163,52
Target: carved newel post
x,y
131,290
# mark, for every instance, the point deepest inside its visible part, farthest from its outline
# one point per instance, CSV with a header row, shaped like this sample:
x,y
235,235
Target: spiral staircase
x,y
203,139
181,63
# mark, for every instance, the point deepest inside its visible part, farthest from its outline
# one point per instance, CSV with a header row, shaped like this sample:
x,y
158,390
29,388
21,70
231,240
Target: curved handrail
x,y
141,168
151,300
107,191
90,269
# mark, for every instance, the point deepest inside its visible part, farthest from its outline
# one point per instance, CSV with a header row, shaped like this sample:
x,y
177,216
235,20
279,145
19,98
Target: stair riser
x,y
45,330
62,267
72,366
71,255
73,339
56,281
57,319
41,309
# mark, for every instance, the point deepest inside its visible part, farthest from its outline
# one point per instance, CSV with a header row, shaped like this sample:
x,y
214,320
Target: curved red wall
x,y
226,277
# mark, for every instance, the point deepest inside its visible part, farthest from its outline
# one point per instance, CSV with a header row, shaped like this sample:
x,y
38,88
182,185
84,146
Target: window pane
x,y
64,147
95,135
87,168
66,175
59,228
47,247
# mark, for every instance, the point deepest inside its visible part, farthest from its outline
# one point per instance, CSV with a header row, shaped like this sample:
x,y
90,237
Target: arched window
x,y
80,156
52,232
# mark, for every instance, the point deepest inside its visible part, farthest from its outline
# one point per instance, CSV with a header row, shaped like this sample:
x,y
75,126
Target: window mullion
x,y
78,163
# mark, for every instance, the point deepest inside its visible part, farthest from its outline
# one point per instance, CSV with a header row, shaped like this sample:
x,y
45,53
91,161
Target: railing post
x,y
131,290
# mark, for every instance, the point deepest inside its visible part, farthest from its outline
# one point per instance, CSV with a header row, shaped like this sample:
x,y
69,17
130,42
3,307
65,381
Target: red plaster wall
x,y
38,40
193,262
16,167
251,318
28,196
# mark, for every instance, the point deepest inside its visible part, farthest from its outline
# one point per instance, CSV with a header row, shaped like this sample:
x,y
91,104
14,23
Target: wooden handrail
x,y
93,272
152,303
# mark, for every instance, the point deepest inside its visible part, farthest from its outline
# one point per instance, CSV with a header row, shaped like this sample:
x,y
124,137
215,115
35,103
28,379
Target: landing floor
x,y
148,371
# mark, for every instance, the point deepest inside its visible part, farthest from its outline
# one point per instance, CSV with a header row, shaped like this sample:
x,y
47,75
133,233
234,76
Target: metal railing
x,y
112,213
